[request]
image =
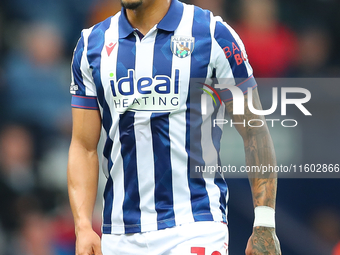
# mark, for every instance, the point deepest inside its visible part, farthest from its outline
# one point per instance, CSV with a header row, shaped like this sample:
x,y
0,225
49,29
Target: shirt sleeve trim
x,y
250,82
84,102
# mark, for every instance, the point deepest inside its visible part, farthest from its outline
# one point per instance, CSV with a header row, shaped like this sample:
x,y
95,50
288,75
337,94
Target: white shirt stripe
x,y
179,158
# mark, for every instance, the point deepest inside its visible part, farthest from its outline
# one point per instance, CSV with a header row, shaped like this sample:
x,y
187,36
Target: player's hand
x,y
88,243
263,241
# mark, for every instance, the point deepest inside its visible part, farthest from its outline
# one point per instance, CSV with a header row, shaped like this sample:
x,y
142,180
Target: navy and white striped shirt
x,y
151,114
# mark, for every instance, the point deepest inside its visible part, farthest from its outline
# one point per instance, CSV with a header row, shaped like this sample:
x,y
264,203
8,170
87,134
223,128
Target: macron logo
x,y
109,48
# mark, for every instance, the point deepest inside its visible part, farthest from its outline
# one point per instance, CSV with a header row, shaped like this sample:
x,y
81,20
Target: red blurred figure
x,y
271,47
336,250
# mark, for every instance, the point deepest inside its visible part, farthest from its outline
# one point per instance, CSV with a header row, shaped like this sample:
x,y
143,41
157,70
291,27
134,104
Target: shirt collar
x,y
173,17
169,22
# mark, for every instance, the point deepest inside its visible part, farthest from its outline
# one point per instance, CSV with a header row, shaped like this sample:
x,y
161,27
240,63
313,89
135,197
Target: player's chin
x,y
131,4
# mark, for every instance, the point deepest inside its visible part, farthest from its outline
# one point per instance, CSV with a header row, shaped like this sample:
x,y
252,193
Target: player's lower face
x,y
131,4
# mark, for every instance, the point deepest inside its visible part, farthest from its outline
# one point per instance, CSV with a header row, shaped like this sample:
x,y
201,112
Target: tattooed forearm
x,y
259,150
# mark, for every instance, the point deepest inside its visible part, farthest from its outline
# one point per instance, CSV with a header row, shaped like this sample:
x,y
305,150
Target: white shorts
x,y
198,238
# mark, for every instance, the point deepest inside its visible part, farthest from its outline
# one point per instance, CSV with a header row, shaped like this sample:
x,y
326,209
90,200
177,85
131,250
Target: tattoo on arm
x,y
259,151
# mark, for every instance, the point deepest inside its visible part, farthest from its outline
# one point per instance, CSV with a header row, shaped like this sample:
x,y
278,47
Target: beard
x,y
131,5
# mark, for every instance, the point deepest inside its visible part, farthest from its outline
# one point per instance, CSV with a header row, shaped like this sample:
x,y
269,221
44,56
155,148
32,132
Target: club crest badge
x,y
182,46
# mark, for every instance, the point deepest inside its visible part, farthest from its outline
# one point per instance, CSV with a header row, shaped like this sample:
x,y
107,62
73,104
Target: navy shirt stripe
x,y
76,63
131,209
131,204
162,65
200,59
232,50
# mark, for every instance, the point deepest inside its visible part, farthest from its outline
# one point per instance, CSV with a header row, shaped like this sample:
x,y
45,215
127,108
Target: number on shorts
x,y
201,251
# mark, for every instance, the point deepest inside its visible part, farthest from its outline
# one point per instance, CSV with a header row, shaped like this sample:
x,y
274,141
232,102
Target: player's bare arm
x,y
83,178
259,150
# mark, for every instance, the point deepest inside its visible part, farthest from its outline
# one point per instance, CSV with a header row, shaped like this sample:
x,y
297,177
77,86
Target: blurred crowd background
x,y
284,39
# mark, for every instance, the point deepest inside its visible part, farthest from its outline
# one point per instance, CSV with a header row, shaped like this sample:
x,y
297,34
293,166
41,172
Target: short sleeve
x,y
82,87
231,64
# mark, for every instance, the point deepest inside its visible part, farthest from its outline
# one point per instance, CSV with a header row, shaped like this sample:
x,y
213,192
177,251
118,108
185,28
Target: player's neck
x,y
148,15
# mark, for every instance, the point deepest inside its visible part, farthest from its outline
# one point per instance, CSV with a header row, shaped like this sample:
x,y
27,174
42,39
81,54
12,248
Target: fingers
x,y
88,243
97,249
89,251
91,248
248,250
